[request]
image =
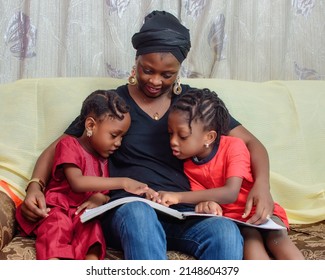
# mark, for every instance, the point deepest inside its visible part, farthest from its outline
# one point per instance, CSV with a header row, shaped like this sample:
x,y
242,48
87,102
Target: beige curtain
x,y
254,40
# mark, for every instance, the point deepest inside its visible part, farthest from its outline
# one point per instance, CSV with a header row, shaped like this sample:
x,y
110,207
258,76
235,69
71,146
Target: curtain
x,y
253,40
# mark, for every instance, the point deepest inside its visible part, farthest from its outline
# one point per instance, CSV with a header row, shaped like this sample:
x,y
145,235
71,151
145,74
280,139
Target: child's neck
x,y
86,145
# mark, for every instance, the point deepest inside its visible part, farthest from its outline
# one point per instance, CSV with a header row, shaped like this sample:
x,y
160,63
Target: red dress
x,y
232,158
61,234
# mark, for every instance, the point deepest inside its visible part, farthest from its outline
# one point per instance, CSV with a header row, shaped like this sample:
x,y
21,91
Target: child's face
x,y
107,134
186,142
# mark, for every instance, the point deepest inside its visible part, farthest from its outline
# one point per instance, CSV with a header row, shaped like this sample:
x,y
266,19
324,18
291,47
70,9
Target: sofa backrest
x,y
288,117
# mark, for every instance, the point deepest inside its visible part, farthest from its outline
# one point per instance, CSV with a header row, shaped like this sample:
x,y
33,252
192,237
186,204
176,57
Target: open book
x,y
91,213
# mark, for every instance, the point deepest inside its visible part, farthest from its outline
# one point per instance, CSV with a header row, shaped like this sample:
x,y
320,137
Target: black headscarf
x,y
162,32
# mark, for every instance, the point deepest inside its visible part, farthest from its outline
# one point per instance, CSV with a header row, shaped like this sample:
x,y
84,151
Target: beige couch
x,y
287,116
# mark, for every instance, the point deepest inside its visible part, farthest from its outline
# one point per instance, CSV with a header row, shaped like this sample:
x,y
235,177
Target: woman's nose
x,y
155,80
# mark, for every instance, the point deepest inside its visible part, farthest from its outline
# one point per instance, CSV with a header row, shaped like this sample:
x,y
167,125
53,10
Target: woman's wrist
x,y
35,184
263,183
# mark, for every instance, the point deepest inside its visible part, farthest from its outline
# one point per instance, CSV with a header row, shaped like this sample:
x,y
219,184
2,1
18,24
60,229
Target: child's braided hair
x,y
205,106
102,103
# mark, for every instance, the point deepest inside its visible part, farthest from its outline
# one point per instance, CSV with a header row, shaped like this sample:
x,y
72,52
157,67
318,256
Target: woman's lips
x,y
152,90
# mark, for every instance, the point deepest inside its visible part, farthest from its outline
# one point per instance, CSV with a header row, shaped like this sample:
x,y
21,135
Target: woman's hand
x,y
33,207
209,207
95,200
260,197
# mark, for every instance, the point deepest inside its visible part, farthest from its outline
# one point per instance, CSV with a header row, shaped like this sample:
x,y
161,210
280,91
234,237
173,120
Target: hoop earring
x,y
177,89
132,78
89,133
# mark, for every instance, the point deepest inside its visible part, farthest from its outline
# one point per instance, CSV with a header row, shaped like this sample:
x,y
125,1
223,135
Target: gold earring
x,y
89,133
177,89
132,78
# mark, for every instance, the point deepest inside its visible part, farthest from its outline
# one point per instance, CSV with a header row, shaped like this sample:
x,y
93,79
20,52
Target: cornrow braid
x,y
204,105
102,103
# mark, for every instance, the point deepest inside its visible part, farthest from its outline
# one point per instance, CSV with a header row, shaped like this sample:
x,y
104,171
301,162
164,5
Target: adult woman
x,y
162,44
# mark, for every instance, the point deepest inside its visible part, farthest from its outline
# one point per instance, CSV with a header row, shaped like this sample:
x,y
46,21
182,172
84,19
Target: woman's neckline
x,y
151,107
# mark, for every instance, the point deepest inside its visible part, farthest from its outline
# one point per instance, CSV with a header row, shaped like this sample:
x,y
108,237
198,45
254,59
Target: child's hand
x,y
139,188
167,198
95,200
209,207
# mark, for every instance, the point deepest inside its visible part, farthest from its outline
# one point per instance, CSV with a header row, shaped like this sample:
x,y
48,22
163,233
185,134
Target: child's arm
x,y
81,183
223,195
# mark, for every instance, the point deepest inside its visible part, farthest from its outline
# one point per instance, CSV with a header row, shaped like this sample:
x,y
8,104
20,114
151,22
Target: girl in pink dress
x,y
80,180
219,170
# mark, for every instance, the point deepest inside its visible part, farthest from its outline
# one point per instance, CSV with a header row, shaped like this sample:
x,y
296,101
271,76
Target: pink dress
x,y
61,234
231,159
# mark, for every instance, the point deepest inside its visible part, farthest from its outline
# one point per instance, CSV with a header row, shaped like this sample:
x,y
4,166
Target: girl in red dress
x,y
219,170
80,180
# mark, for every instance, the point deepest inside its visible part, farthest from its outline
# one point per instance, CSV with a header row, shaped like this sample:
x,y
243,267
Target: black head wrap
x,y
162,32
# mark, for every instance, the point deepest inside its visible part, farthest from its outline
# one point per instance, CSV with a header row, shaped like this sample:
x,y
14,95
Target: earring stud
x,y
89,133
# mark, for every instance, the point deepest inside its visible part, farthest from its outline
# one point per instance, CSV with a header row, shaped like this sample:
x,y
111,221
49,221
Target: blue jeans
x,y
143,235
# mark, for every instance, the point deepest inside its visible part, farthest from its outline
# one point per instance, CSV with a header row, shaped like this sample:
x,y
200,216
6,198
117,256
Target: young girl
x,y
80,180
218,167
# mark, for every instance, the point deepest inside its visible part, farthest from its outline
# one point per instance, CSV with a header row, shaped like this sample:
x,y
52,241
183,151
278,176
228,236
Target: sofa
x,y
287,116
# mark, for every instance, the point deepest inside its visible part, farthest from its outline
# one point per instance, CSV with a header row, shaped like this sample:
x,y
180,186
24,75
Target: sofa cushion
x,y
7,219
23,248
310,239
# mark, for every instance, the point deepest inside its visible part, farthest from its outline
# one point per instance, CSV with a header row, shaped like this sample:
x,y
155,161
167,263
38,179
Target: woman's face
x,y
156,73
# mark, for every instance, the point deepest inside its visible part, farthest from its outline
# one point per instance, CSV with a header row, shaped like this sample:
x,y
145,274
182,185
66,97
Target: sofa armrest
x,y
7,219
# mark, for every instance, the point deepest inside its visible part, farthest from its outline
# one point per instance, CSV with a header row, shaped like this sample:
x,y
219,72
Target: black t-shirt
x,y
145,153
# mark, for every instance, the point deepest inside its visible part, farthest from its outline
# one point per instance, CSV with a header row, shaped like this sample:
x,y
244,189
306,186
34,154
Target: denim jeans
x,y
143,235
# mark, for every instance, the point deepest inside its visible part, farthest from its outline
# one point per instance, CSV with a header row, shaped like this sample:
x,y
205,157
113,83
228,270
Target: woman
x,y
162,44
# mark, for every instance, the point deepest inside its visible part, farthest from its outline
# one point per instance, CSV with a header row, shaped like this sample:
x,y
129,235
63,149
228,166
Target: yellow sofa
x,y
287,116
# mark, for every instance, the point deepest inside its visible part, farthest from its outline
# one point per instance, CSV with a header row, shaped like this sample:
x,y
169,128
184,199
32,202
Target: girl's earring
x,y
177,89
207,145
89,133
132,78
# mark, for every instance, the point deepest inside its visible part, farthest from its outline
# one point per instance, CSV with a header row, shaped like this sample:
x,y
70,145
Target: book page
x,y
91,213
270,224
